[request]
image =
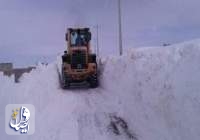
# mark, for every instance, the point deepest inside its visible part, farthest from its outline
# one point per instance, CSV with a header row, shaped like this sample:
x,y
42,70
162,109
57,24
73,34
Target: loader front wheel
x,y
93,81
65,81
65,85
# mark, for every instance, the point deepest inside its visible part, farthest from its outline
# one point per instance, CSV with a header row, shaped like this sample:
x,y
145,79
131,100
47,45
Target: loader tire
x,y
65,81
93,81
65,85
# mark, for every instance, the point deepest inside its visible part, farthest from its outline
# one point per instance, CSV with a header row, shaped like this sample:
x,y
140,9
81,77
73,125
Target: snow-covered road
x,y
147,94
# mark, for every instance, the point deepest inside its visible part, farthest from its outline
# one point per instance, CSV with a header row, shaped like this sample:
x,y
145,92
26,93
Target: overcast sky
x,y
33,30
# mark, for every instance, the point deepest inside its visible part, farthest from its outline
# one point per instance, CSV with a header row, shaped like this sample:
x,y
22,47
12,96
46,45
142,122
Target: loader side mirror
x,y
66,37
89,36
92,58
66,58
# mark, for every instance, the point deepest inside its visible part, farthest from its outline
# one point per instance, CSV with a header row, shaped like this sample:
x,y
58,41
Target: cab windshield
x,y
78,38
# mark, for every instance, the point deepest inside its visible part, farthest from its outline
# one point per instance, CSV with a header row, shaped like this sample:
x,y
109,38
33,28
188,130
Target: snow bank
x,y
147,94
6,84
157,90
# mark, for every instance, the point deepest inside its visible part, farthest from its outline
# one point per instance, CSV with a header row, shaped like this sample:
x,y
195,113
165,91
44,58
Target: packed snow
x,y
150,93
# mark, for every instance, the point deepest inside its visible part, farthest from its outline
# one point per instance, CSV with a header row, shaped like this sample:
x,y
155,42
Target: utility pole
x,y
120,27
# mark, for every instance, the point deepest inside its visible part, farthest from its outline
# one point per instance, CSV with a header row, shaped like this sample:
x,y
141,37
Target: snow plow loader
x,y
78,63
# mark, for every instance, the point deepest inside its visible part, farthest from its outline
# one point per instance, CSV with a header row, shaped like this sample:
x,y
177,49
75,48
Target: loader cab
x,y
78,37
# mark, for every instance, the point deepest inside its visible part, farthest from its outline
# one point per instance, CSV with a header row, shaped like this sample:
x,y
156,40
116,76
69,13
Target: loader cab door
x,y
73,37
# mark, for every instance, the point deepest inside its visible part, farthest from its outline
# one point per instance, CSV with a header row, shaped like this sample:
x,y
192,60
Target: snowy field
x,y
147,94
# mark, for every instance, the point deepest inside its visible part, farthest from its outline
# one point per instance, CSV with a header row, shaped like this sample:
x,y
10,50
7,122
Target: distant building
x,y
6,66
8,70
166,44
